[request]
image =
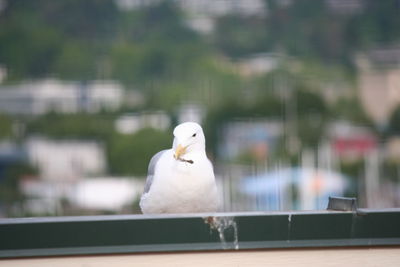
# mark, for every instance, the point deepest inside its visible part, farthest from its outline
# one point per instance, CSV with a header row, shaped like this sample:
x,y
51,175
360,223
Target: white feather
x,y
182,187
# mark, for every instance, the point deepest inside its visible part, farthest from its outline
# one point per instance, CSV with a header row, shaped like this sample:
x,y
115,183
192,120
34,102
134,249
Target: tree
x,y
130,154
28,47
5,126
9,185
80,125
240,36
394,122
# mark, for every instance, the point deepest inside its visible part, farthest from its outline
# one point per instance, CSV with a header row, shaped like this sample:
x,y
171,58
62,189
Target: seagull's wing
x,y
151,170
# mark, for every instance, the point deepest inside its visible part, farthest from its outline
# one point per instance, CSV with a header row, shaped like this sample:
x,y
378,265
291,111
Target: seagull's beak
x,y
180,150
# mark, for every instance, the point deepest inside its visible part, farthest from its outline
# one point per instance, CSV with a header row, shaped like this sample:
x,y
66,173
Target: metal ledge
x,y
27,237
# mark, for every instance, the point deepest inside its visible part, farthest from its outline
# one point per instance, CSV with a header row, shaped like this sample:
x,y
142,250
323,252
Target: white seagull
x,y
181,179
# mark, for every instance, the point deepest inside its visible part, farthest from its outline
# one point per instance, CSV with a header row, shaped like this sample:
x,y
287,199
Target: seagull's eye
x,y
194,135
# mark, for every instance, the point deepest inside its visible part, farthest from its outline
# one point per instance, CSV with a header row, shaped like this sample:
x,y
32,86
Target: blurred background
x,y
299,100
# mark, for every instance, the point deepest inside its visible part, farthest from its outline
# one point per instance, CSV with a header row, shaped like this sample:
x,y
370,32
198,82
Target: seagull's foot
x,y
212,221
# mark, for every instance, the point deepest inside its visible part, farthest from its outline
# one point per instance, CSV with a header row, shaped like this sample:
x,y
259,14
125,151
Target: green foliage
x,y
9,186
78,40
125,58
379,23
10,194
5,126
354,169
394,122
76,61
79,125
239,36
42,38
130,154
310,30
153,46
310,117
91,19
351,110
163,22
136,63
310,103
28,47
390,171
71,38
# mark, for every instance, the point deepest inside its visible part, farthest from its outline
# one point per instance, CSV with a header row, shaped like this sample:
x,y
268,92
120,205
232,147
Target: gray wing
x,y
151,169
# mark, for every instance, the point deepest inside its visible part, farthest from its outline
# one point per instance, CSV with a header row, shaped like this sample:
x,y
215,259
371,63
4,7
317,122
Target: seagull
x,y
181,179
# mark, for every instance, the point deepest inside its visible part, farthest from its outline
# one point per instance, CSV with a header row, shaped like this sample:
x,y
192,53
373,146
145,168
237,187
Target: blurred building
x,y
191,112
63,166
345,7
212,8
201,14
258,64
379,82
43,96
131,123
93,194
351,142
10,153
216,8
135,4
293,188
106,193
256,138
66,160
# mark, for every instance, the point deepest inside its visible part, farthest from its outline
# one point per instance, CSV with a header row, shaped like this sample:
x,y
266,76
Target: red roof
x,y
359,145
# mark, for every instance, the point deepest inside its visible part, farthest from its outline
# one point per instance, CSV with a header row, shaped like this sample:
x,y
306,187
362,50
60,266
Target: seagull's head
x,y
188,137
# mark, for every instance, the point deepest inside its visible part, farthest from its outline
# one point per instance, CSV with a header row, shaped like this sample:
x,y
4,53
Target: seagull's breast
x,y
184,187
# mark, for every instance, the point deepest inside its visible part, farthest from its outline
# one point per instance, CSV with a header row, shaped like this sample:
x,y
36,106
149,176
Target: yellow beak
x,y
180,150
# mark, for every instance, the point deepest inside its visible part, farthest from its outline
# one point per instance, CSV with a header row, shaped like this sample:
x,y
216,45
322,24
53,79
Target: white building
x,y
94,193
108,95
217,8
212,8
257,64
135,4
131,123
106,193
201,14
43,96
67,160
345,7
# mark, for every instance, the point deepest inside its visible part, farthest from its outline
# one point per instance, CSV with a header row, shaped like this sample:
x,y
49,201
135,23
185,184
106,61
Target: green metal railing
x,y
193,232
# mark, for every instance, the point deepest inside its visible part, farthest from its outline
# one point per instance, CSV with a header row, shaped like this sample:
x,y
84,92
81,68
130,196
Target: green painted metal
x,y
139,233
